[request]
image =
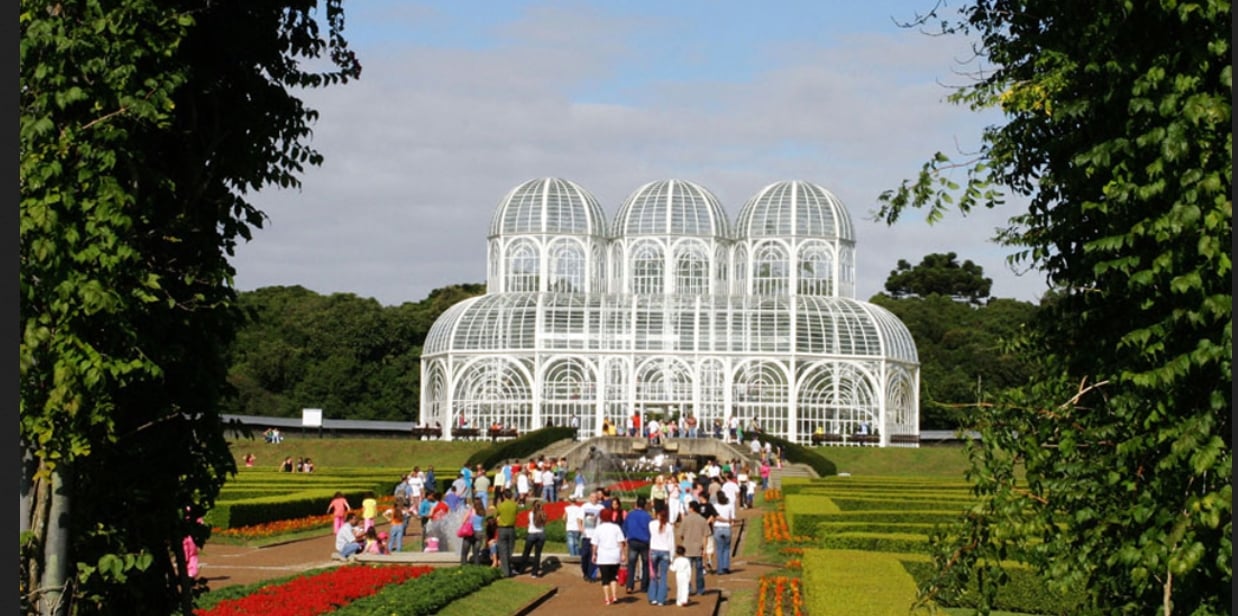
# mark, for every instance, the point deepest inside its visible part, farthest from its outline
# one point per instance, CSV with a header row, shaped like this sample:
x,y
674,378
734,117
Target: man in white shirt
x,y
574,522
347,539
731,487
591,512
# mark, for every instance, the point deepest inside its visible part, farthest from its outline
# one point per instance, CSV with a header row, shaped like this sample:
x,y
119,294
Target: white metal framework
x,y
669,310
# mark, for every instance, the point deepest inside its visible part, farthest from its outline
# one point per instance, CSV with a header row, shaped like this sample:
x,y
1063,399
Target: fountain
x,y
444,531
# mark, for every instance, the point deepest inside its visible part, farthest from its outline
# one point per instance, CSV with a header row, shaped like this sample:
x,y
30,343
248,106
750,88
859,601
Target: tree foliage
x,y
144,125
965,352
940,274
1111,473
347,355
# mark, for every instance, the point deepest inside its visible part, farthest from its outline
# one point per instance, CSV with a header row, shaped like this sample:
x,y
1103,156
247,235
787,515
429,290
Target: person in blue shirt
x,y
636,529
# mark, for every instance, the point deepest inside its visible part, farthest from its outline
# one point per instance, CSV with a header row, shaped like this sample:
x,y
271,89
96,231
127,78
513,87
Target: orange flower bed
x,y
774,525
773,494
779,595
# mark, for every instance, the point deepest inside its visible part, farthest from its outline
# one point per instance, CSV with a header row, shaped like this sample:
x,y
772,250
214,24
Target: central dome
x,y
795,209
549,206
672,207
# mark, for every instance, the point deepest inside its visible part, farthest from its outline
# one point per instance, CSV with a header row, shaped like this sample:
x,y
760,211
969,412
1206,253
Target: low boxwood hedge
x,y
520,447
856,583
424,595
231,514
911,543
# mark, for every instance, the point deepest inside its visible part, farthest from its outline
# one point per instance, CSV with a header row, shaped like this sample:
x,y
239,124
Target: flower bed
x,y
316,594
779,595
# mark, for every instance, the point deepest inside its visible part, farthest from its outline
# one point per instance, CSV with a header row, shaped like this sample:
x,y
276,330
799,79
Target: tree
x,y
141,136
941,274
1111,473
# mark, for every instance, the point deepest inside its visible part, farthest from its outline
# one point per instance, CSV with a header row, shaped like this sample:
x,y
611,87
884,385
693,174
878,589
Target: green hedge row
x,y
231,514
856,583
424,595
799,454
909,543
519,448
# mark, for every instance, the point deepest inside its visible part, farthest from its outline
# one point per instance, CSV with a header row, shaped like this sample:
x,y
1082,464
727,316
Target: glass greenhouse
x,y
671,311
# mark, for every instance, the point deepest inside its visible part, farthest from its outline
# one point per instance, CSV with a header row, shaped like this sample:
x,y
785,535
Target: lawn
x,y
944,461
330,452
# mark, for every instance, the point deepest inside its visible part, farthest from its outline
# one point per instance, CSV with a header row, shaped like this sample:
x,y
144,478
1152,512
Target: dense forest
x,y
357,359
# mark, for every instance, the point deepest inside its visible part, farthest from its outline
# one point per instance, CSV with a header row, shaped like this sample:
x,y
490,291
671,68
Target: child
x,y
369,510
682,568
373,542
492,540
338,509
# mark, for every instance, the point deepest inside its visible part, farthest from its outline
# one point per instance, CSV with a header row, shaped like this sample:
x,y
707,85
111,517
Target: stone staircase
x,y
789,470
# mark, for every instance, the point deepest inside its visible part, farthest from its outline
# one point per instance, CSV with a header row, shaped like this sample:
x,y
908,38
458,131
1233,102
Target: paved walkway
x,y
566,592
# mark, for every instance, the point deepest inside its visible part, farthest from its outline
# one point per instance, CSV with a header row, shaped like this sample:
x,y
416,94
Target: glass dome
x,y
548,206
672,207
795,209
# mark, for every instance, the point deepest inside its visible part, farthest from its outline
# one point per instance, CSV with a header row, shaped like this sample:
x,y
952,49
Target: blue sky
x,y
460,102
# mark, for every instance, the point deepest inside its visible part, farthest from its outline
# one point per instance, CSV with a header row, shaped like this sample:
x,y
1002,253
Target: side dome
x,y
552,206
795,209
672,207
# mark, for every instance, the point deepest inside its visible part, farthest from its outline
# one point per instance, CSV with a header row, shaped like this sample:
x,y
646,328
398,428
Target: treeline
x,y
348,355
356,359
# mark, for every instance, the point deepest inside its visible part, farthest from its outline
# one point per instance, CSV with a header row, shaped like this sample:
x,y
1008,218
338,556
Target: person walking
x,y
661,546
472,544
591,517
609,548
399,524
636,530
573,523
682,567
338,508
481,487
505,515
722,531
534,540
691,535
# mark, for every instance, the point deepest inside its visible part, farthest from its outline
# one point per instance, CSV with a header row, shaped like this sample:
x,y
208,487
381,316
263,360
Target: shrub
x,y
856,583
520,447
425,595
1024,591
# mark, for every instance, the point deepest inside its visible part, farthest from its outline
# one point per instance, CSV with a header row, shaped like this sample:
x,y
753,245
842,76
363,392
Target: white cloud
x,y
422,147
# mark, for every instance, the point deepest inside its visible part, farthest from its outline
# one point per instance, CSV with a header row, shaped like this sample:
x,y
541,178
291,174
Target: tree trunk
x,y
55,596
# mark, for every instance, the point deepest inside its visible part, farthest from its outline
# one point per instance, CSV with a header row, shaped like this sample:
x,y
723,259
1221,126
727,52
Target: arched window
x,y
691,270
770,269
815,270
648,275
567,267
522,267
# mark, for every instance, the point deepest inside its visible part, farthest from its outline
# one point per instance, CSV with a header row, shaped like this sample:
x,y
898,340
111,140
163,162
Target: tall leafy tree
x,y
1112,475
144,126
940,274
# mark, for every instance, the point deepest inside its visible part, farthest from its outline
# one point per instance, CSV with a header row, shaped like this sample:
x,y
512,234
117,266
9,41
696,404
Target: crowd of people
x,y
683,526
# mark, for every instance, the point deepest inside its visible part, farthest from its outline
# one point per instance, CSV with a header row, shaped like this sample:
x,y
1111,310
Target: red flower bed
x,y
630,485
554,511
316,594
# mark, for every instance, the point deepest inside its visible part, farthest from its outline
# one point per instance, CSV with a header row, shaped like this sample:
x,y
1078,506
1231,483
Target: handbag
x,y
623,576
466,528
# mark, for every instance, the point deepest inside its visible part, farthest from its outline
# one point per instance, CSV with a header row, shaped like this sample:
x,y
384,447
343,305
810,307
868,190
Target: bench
x,y
426,433
498,434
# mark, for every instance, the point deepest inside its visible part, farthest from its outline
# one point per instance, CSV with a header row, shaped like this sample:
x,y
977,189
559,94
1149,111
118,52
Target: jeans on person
x,y
660,563
507,543
395,539
573,543
722,543
638,550
533,542
586,557
353,547
475,545
698,574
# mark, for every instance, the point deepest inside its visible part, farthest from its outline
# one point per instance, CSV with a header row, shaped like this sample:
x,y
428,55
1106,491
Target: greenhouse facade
x,y
671,311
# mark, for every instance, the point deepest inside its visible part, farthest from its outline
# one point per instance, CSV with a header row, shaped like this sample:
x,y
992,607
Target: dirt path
x,y
567,593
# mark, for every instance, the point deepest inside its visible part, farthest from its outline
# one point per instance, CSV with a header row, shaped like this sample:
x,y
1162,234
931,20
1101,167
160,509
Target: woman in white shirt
x,y
661,548
535,540
722,531
609,551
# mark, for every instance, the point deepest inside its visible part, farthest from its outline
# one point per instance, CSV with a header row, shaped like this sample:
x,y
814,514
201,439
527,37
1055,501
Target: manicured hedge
x,y
520,447
425,595
856,583
912,543
231,514
802,455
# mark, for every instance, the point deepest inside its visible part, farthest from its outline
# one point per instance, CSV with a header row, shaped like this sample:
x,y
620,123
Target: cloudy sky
x,y
460,102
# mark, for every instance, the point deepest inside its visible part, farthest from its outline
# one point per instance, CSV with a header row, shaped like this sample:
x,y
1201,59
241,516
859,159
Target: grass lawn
x,y
330,452
943,461
501,598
